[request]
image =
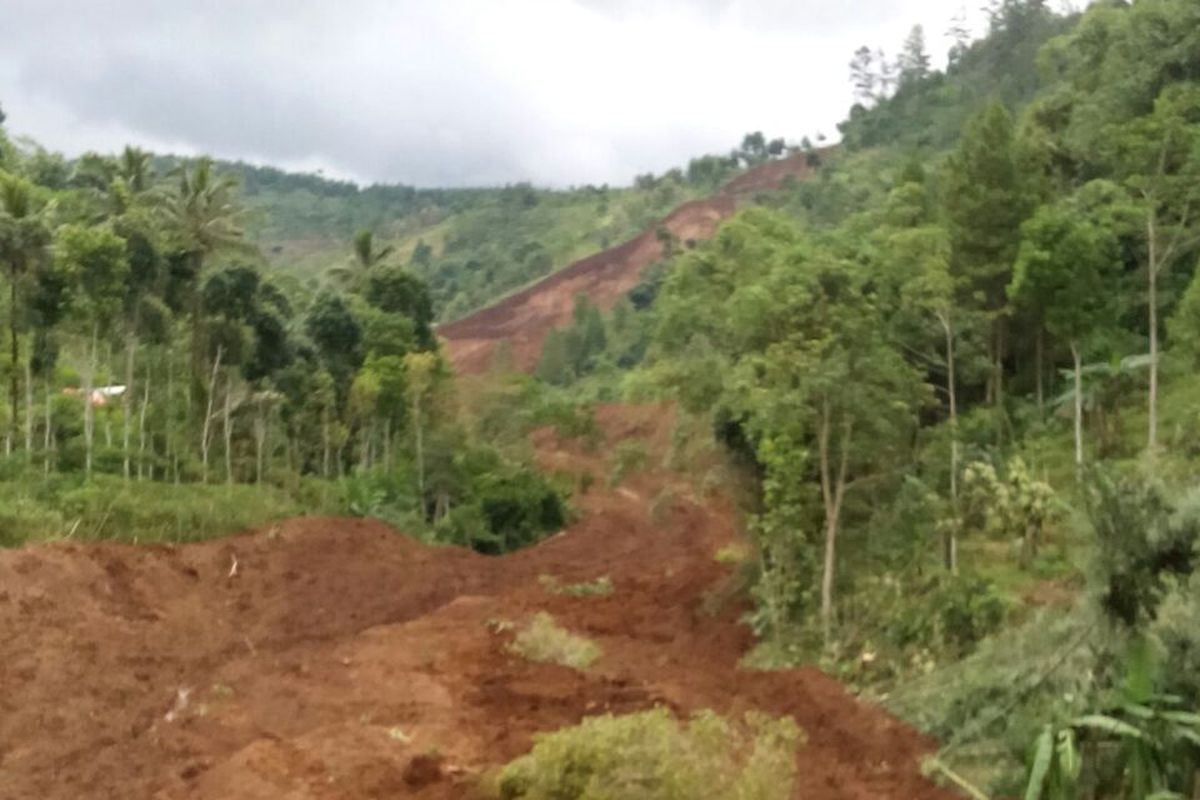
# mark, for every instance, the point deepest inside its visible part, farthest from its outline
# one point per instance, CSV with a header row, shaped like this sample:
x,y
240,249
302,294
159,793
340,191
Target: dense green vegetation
x,y
148,355
956,364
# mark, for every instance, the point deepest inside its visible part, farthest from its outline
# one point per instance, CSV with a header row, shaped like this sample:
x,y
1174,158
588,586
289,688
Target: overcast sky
x,y
442,92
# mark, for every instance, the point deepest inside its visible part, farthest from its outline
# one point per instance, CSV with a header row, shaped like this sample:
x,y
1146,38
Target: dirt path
x,y
523,319
337,657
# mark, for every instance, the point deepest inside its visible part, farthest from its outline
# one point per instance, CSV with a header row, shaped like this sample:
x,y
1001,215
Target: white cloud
x,y
448,93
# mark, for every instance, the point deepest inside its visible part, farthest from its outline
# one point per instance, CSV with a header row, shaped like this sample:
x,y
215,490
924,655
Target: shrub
x,y
601,587
628,457
948,612
651,756
545,641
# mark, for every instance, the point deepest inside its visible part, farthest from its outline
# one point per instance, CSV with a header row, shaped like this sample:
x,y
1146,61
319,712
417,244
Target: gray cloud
x,y
449,93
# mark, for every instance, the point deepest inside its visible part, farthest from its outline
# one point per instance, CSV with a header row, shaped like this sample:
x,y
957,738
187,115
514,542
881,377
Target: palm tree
x,y
205,217
134,168
364,257
23,239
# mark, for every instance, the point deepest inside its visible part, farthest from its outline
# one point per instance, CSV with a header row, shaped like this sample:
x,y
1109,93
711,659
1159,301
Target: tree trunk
x,y
142,428
169,418
14,381
832,491
197,323
387,444
1078,409
420,451
127,402
325,443
47,439
89,410
1038,358
208,415
260,439
364,451
227,431
950,538
1152,301
28,409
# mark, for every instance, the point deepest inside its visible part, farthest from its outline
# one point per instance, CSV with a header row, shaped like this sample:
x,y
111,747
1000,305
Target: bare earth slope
x,y
333,658
523,319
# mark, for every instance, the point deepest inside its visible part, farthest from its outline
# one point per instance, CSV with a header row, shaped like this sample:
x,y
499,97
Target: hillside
x,y
469,245
523,319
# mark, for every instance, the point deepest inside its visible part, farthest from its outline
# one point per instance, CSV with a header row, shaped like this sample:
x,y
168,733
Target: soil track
x,y
523,319
337,659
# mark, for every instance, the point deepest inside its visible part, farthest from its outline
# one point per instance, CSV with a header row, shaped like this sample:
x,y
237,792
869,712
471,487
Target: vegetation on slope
x,y
934,357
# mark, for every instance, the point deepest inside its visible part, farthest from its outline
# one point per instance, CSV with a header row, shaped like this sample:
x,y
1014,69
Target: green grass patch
x,y
732,553
543,640
111,508
652,756
601,587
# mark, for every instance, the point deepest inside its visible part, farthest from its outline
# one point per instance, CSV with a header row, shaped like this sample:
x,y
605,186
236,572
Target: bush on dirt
x,y
601,587
651,756
628,457
478,500
545,641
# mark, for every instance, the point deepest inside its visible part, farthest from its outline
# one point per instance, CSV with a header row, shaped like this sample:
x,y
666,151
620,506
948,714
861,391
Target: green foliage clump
x,y
1014,507
601,587
651,756
1147,540
947,614
495,505
545,641
629,456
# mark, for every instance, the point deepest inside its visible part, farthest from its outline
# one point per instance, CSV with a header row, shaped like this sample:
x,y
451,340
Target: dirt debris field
x,y
337,659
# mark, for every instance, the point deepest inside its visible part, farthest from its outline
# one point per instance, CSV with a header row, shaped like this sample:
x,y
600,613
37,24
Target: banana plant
x,y
1146,747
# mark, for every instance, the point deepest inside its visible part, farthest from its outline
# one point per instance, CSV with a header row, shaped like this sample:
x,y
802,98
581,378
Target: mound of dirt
x,y
336,658
525,318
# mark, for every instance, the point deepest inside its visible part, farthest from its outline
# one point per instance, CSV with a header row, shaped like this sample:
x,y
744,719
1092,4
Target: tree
x,y
1134,115
553,366
923,254
205,218
1067,263
985,203
134,168
338,336
140,301
914,59
421,374
95,258
23,239
863,76
364,258
1166,147
395,291
833,383
961,36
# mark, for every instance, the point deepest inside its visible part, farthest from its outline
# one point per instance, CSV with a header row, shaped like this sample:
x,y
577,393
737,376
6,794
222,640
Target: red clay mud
x,y
338,659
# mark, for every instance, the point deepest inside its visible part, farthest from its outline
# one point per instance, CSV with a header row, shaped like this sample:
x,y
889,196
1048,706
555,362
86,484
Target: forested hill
x,y
470,245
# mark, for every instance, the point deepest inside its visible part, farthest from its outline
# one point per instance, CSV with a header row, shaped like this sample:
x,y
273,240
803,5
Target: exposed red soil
x,y
341,660
523,319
